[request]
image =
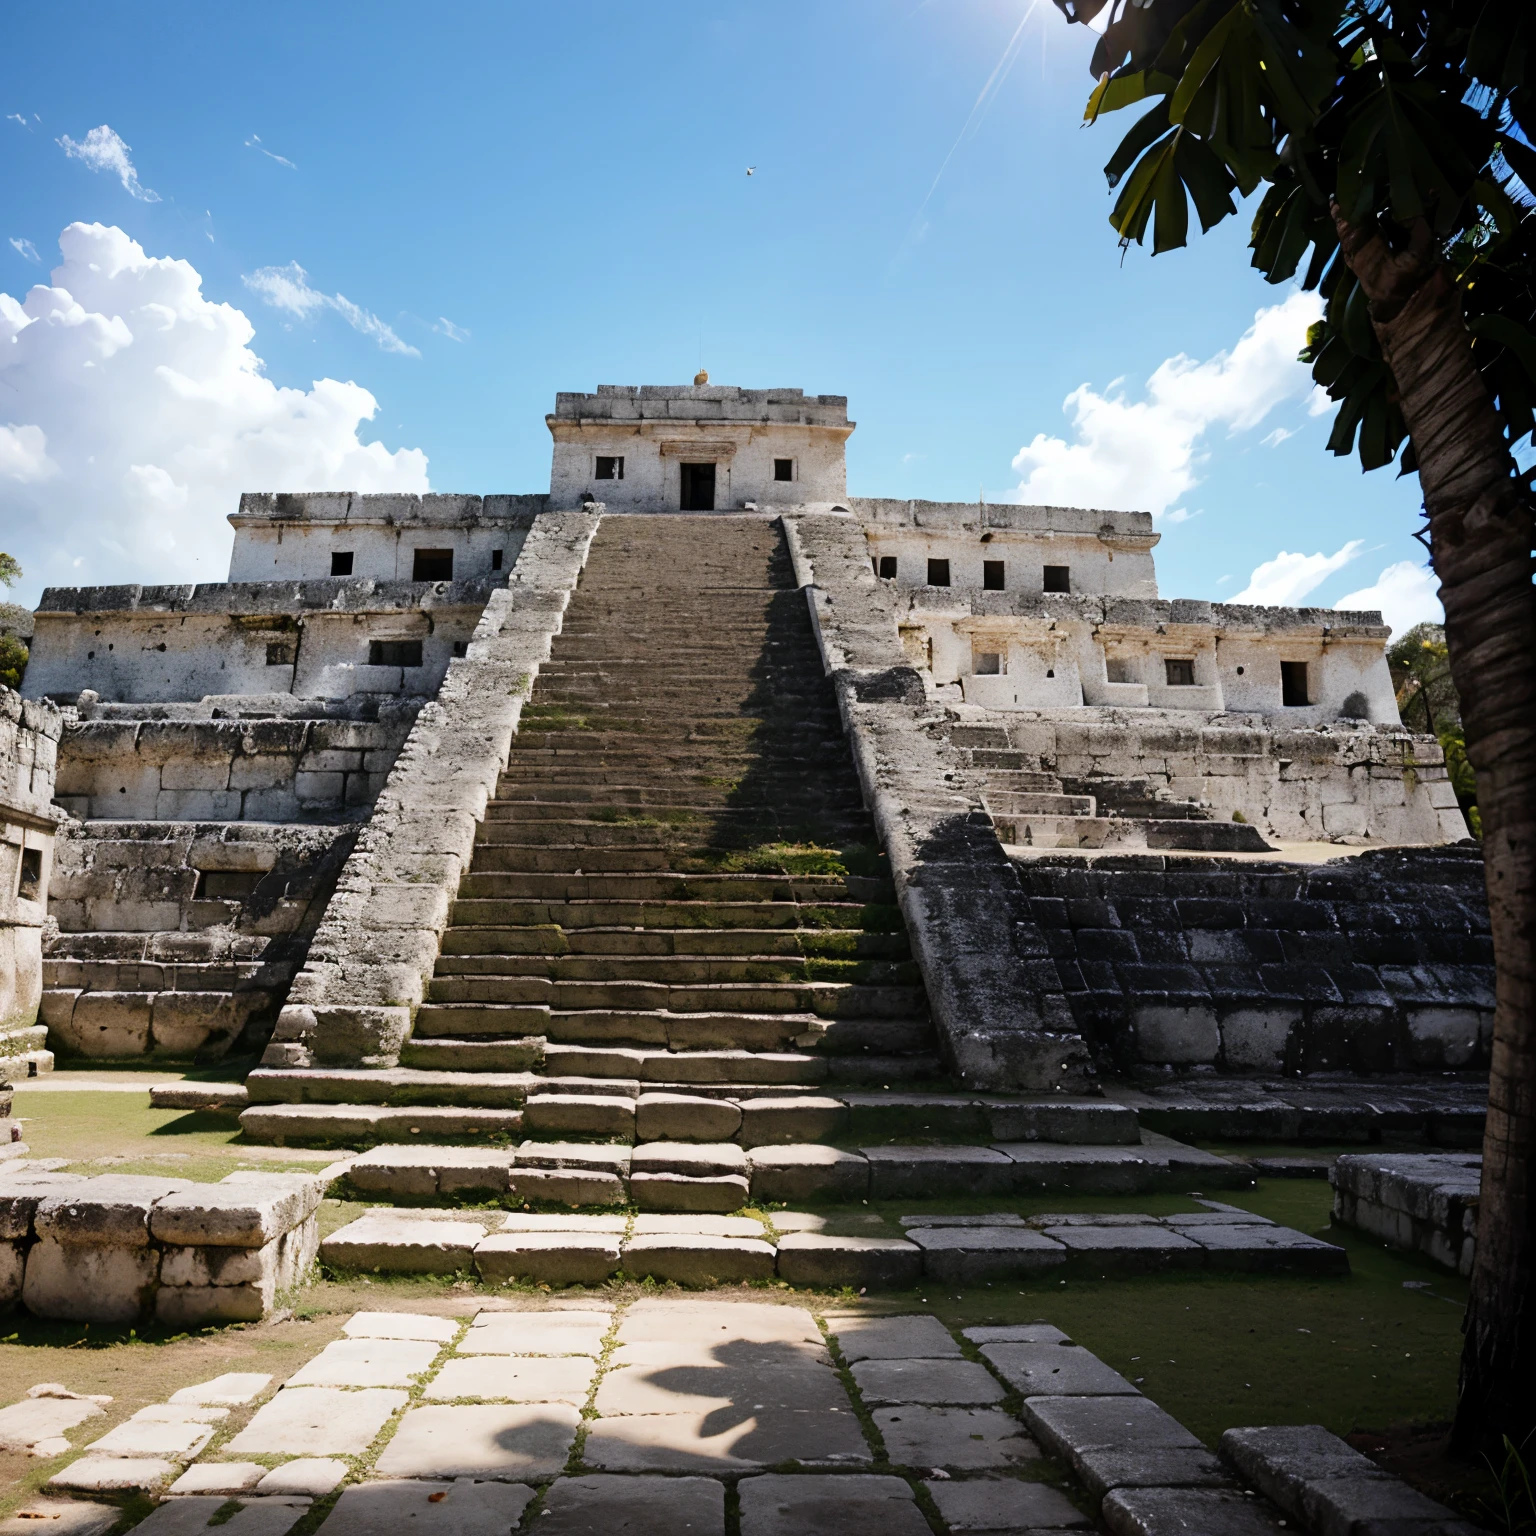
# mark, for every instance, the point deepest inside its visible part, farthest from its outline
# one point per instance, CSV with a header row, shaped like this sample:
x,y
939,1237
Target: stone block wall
x,y
1373,964
370,960
274,770
178,938
1424,1202
29,736
124,1249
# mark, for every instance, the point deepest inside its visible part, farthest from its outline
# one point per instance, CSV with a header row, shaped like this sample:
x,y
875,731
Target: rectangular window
x,y
938,573
496,559
783,469
993,576
461,648
609,468
432,565
394,653
31,874
888,567
989,663
1293,683
1118,670
1058,578
280,653
341,562
1180,674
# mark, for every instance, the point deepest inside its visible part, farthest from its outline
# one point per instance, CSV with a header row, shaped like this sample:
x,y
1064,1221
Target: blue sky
x,y
490,203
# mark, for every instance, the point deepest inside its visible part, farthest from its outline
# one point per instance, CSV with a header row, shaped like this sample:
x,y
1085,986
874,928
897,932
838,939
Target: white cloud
x,y
1144,455
24,247
254,142
287,288
446,327
16,117
1406,593
103,150
1278,436
143,413
1285,580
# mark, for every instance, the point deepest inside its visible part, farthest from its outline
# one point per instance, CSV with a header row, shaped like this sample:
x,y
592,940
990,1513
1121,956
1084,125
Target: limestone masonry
x,y
698,777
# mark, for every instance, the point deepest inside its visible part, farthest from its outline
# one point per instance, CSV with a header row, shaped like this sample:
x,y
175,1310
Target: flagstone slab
x,y
856,1505
231,1390
668,1319
561,1379
724,1440
401,1325
114,1474
1004,1505
438,1508
1177,1511
61,1517
605,1505
698,1260
398,1245
914,1337
157,1438
533,1334
317,1421
222,1477
193,1516
873,1263
308,1476
367,1362
1055,1370
926,1381
957,1439
37,1419
503,1442
548,1258
1103,1468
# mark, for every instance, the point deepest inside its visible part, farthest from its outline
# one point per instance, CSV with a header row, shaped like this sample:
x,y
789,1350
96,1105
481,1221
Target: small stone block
x,y
1016,1333
809,1173
859,1504
114,1474
537,1379
653,1225
1128,1250
401,1325
1055,1370
199,1096
222,1477
582,1157
482,1441
963,1255
398,1246
232,1390
317,1421
35,1419
1065,1425
461,1508
1178,1511
926,1381
700,1261
901,1172
1002,1505
366,1363
1103,1468
693,1160
958,1439
684,1117
579,1114
915,1337
865,1263
566,1186
154,1438
676,1192
548,1258
604,1505
309,1477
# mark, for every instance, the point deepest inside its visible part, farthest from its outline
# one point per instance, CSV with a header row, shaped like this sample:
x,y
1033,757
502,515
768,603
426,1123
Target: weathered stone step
x,y
1038,803
594,806
397,1086
696,837
476,978
549,939
516,797
359,1125
619,886
472,915
827,1000
705,740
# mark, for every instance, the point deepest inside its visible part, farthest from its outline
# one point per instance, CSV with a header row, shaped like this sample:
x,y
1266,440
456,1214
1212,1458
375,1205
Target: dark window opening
x,y
783,469
938,573
1293,682
1239,671
993,576
698,488
31,874
1058,578
989,663
1117,670
432,565
1180,674
609,468
394,653
461,648
888,567
496,559
281,653
226,884
341,562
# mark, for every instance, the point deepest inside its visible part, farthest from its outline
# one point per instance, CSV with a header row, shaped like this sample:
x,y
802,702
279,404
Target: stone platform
x,y
1424,1202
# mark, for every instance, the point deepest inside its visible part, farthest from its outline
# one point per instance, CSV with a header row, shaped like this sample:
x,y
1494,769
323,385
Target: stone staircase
x,y
1035,809
678,940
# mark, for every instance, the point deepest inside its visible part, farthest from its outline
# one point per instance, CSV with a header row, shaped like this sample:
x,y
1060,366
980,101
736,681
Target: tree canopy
x,y
1418,117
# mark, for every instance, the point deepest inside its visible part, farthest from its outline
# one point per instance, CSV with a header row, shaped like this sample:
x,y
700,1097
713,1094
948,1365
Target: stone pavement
x,y
698,1415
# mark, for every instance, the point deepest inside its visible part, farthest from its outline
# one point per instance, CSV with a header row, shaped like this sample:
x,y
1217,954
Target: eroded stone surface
x,y
926,1381
60,1517
440,1508
1055,1370
308,1477
1001,1505
603,1505
957,1439
367,1362
231,1390
482,1440
914,1337
561,1379
400,1325
858,1505
317,1421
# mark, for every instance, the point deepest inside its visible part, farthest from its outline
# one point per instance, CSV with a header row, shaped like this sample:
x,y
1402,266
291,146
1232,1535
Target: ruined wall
x,y
29,734
1342,782
1376,963
177,938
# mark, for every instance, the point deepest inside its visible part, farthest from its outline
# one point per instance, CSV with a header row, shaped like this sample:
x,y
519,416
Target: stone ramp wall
x,y
29,735
367,968
1376,963
997,1002
180,938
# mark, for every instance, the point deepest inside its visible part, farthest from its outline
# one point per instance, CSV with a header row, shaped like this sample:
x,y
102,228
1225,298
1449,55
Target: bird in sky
x,y
750,169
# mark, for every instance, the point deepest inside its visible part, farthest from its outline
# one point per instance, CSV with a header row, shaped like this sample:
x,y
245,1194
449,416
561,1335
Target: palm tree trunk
x,y
1481,533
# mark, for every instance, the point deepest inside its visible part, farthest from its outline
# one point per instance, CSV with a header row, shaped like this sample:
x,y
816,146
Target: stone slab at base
x,y
1425,1202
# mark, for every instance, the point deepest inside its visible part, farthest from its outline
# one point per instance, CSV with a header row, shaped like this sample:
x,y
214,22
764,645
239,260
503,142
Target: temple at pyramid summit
x,y
697,791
